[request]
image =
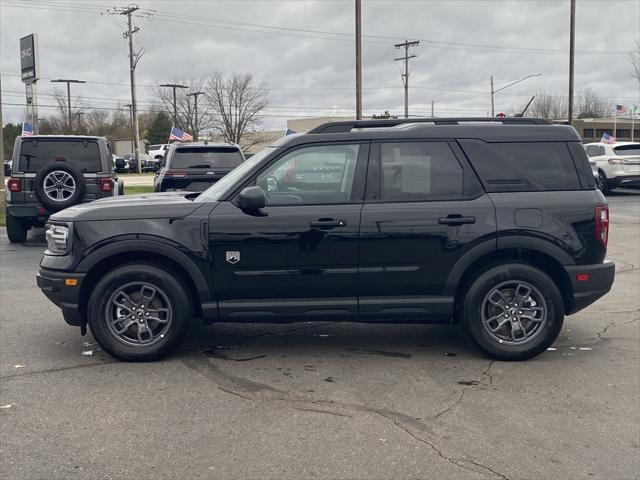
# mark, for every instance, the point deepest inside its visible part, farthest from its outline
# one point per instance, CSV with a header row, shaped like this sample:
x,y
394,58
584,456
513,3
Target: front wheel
x,y
513,311
139,312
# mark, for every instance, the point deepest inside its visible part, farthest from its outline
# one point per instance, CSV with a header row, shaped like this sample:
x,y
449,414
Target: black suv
x,y
50,173
195,166
496,225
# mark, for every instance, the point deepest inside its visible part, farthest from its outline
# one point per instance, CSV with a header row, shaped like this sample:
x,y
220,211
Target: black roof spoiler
x,y
347,126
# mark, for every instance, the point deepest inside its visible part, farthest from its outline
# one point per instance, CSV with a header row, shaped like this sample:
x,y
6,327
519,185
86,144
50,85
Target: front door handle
x,y
327,223
455,220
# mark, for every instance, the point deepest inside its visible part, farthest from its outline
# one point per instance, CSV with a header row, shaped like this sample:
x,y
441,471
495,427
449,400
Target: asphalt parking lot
x,y
322,400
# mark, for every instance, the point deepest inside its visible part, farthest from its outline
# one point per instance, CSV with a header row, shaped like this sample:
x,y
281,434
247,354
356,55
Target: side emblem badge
x,y
233,257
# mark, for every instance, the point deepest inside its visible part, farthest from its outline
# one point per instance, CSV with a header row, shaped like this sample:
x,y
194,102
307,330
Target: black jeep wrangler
x,y
50,173
492,224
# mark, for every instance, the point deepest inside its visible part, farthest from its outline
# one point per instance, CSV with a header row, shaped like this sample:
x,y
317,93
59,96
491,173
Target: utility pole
x,y
68,82
134,58
195,108
405,75
130,107
174,86
358,60
493,110
432,115
572,46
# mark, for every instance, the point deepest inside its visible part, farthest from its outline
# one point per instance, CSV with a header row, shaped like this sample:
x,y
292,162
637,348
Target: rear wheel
x,y
16,229
603,184
139,312
513,311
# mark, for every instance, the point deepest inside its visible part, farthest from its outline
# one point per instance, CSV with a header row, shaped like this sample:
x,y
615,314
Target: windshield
x,y
206,157
220,189
631,149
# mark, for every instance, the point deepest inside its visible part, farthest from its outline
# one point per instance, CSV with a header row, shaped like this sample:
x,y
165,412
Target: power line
x,y
302,32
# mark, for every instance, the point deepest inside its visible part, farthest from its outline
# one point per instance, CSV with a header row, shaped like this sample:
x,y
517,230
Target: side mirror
x,y
252,198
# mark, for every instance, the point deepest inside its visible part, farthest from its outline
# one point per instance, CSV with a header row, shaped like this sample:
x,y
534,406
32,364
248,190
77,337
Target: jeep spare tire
x,y
59,186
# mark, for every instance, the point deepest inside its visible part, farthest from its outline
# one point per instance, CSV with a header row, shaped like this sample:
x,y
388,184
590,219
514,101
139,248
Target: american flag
x,y
621,109
179,135
606,138
27,129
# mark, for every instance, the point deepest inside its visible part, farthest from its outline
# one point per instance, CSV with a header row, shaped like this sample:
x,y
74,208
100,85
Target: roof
x,y
204,144
488,129
617,144
82,137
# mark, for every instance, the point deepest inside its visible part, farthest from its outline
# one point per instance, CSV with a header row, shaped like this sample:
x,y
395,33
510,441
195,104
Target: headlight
x,y
58,239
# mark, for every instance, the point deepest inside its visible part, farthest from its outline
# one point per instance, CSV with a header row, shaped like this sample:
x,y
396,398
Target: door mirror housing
x,y
252,198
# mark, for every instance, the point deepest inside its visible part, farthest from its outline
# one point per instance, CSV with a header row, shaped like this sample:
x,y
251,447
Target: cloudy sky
x,y
304,51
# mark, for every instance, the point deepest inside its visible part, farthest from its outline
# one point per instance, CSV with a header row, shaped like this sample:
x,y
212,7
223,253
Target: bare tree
x,y
236,104
546,105
589,104
634,56
185,107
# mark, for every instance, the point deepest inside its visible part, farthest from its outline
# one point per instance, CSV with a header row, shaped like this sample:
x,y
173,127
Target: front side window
x,y
419,171
311,176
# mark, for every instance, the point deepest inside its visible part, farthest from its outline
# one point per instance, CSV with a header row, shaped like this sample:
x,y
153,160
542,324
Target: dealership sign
x,y
28,58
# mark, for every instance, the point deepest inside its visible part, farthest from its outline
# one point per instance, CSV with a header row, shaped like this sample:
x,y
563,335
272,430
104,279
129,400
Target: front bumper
x,y
53,284
589,282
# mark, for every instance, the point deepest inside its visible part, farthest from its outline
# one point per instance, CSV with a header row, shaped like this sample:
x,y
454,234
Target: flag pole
x,y
615,121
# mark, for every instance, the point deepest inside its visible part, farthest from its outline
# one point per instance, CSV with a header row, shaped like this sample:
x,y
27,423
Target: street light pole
x,y
195,112
68,82
174,86
493,92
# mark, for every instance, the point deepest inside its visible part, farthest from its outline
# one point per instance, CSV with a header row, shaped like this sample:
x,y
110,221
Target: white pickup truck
x,y
158,151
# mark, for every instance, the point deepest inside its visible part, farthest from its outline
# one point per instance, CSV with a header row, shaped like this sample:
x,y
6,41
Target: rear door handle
x,y
455,219
327,223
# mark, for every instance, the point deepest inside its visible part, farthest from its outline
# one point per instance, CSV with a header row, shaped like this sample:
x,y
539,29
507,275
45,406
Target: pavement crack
x,y
459,462
54,370
326,412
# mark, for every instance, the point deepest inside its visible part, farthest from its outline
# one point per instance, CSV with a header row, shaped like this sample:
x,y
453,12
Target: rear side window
x,y
523,166
633,149
206,157
38,153
419,171
583,167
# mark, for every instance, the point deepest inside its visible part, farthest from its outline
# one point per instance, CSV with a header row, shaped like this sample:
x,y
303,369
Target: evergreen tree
x,y
159,129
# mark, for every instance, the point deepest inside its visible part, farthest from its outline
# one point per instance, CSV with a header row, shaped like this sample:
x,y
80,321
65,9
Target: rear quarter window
x,y
38,153
522,166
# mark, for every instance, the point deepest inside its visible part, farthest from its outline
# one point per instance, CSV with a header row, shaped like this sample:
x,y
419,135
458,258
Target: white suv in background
x,y
618,164
157,152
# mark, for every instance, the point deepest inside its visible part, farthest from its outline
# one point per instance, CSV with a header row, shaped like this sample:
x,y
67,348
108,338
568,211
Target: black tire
x,y
101,312
16,229
476,301
78,188
604,185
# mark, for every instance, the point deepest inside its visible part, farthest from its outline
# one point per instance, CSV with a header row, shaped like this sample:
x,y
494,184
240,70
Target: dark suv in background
x,y
195,166
50,173
494,224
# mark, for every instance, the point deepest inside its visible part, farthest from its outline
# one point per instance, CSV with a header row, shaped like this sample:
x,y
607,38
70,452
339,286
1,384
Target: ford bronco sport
x,y
492,224
50,173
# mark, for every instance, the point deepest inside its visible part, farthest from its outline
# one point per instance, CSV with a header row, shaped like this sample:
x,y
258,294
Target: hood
x,y
131,207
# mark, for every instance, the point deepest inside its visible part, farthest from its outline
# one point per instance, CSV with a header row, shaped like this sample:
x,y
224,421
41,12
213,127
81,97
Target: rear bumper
x,y
599,279
28,210
625,180
67,297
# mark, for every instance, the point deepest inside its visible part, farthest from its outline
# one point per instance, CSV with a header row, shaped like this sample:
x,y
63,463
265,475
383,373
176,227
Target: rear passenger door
x,y
424,209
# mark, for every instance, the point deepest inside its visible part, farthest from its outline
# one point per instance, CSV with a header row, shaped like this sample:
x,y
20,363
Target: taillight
x,y
602,224
14,185
176,174
614,161
106,185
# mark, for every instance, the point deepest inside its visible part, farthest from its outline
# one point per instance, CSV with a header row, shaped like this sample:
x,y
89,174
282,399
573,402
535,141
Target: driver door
x,y
297,257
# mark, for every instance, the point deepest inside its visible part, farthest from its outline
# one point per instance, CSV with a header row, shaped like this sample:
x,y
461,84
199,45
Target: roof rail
x,y
348,125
